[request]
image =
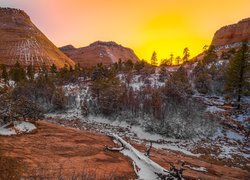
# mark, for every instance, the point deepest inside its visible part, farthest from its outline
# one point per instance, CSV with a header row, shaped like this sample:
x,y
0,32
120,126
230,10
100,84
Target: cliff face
x,y
21,40
233,33
99,52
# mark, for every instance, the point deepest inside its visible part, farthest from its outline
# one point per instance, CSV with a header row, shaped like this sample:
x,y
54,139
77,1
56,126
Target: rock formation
x,y
99,52
21,40
232,34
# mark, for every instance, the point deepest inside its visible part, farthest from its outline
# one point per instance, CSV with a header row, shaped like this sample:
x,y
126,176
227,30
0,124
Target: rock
x,y
99,52
21,40
67,48
231,34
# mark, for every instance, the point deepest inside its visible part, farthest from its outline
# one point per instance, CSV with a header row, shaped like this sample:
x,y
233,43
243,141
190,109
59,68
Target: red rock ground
x,y
54,150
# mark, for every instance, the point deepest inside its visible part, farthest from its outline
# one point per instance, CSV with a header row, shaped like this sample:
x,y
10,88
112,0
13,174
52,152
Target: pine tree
x,y
209,55
203,82
17,73
154,61
129,65
5,75
171,59
45,71
64,72
163,62
120,64
139,66
205,48
179,80
77,67
53,68
162,74
30,72
238,74
166,62
71,69
178,60
186,55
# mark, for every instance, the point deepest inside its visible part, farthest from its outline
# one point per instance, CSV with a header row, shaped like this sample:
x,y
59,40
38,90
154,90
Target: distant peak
x,y
67,47
104,43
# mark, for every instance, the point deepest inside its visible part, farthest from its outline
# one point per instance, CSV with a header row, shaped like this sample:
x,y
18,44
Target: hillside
x,y
21,40
99,52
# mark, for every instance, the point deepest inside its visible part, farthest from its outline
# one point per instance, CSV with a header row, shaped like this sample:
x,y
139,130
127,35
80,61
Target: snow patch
x,y
201,169
214,109
234,136
175,148
7,131
19,127
24,126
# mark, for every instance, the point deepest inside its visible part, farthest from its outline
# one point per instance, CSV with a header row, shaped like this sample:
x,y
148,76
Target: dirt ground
x,y
54,151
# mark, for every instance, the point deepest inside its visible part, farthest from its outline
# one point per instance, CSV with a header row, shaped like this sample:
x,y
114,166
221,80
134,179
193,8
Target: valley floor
x,y
54,151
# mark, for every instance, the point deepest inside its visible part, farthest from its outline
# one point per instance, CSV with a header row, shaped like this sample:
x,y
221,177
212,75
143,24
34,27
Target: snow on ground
x,y
228,144
172,68
241,117
138,82
24,126
17,128
214,101
214,109
201,169
226,151
10,83
7,131
2,84
234,136
174,147
141,134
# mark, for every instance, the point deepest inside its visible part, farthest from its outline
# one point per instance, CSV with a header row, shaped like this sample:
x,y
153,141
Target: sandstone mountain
x,y
21,40
231,34
99,52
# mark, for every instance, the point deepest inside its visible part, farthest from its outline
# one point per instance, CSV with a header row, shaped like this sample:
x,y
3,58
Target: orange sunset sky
x,y
166,26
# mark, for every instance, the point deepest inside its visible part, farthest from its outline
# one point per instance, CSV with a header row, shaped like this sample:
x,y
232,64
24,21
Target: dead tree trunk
x,y
148,150
155,168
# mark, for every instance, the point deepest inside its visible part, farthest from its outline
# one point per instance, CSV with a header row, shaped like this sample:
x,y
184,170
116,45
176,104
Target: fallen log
x,y
148,169
113,148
